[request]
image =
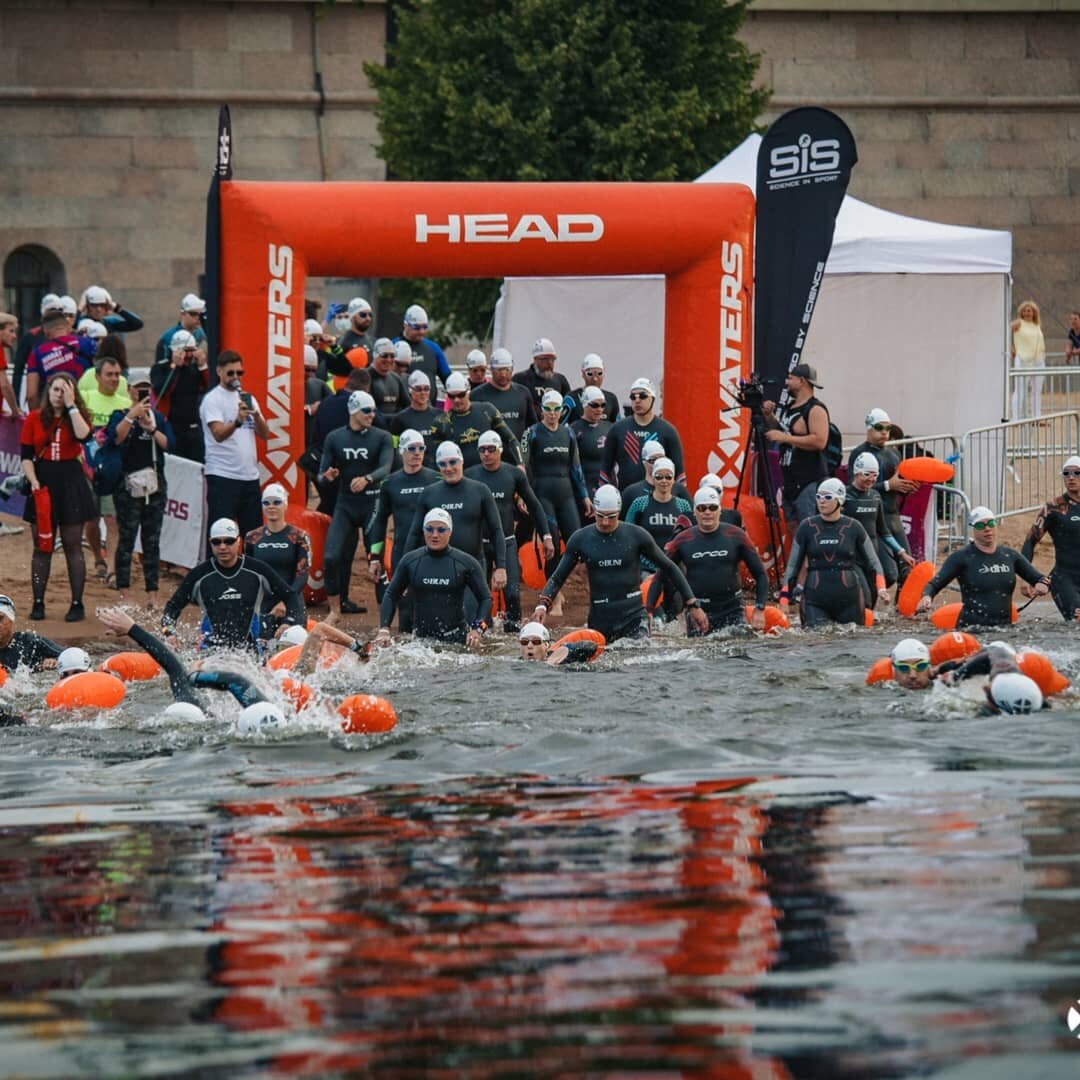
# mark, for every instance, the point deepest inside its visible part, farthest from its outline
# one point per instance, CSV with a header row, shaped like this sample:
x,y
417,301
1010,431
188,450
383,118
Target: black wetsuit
x,y
437,581
643,487
288,551
517,405
506,484
422,420
231,598
986,583
659,519
26,647
390,392
551,458
622,450
185,685
867,509
539,384
466,428
590,440
368,452
425,358
611,411
613,563
888,462
834,553
711,561
1061,519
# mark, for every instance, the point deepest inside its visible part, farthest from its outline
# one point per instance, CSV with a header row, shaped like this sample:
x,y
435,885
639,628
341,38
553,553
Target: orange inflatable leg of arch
x,y
315,525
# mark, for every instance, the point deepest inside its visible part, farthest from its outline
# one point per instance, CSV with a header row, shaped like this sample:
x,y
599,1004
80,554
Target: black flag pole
x,y
222,171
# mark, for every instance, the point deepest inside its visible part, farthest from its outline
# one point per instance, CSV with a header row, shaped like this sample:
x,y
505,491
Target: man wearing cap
x,y
987,573
1061,519
387,387
29,341
230,588
801,432
467,420
517,404
477,366
611,551
192,309
231,421
650,452
180,380
534,644
591,432
509,488
60,351
622,450
911,667
438,575
397,499
592,374
888,484
710,553
419,415
425,355
541,376
333,414
284,547
358,457
472,507
23,647
360,316
101,307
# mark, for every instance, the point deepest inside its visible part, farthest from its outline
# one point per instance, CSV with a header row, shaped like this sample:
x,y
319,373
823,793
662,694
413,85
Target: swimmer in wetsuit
x,y
18,647
231,589
611,551
1061,519
283,547
438,576
711,553
534,643
987,573
834,548
185,686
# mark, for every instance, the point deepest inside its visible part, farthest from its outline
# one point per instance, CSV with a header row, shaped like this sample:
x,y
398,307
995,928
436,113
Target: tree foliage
x,y
559,90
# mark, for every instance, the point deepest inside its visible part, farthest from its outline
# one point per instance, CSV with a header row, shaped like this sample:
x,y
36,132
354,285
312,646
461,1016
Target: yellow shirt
x,y
1029,345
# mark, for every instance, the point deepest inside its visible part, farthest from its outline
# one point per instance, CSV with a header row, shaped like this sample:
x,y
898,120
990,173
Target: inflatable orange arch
x,y
265,238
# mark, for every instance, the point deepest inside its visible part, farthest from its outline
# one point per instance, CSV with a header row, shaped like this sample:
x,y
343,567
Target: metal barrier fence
x,y
1032,391
1015,467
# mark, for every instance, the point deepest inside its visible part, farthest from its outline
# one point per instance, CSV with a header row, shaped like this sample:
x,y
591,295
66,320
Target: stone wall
x,y
970,119
109,112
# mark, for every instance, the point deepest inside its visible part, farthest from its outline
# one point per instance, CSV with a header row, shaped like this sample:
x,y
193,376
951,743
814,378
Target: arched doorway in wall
x,y
31,271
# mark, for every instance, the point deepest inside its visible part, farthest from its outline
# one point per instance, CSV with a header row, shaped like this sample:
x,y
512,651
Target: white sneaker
x,y
11,530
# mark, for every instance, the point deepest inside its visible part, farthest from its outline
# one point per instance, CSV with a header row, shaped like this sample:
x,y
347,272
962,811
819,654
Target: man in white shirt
x,y
231,419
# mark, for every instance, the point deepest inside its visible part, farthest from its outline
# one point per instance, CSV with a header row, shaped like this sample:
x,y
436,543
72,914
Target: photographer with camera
x,y
801,430
180,379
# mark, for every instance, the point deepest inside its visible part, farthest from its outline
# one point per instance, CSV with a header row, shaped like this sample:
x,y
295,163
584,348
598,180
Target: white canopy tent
x,y
912,317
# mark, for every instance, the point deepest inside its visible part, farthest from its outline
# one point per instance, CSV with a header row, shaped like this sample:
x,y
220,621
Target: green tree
x,y
559,90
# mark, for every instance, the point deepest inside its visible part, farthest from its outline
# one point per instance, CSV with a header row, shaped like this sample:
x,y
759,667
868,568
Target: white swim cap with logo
x,y
707,496
607,499
456,382
868,464
909,649
489,438
534,629
438,516
360,399
663,464
833,487
448,451
72,661
1014,693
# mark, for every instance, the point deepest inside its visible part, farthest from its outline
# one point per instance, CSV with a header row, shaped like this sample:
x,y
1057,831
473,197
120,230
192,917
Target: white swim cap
x,y
877,416
607,499
591,394
502,358
438,516
710,479
1071,463
1004,646
418,378
910,649
867,463
91,328
358,306
652,449
311,357
182,339
312,327
72,660
275,491
293,635
551,397
833,487
1014,693
224,529
534,629
643,384
360,399
404,352
385,345
489,438
456,382
262,716
543,347
707,496
981,514
448,451
415,315
411,439
592,362
663,464
186,711
476,358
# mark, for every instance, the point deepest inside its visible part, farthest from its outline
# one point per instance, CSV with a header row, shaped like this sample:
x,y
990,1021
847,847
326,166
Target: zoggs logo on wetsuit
x,y
497,229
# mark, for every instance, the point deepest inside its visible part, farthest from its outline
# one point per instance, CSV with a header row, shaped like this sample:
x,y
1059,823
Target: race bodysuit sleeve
x,y
398,584
798,554
523,488
577,477
651,551
180,599
570,558
493,528
752,561
510,446
865,553
1037,531
169,661
950,570
375,533
477,584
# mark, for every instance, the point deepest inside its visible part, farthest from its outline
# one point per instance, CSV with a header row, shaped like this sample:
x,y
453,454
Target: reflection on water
x,y
515,925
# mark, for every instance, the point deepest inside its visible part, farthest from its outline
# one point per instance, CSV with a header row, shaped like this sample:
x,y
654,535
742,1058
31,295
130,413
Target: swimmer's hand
x,y
278,611
382,637
540,614
549,547
374,570
757,619
498,579
474,639
48,665
883,596
699,620
114,619
923,605
907,557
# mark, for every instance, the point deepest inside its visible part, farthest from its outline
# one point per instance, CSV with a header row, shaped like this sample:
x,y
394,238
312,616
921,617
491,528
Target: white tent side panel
x,y
936,361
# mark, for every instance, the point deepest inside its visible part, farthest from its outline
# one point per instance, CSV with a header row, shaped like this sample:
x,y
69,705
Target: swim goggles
x,y
909,667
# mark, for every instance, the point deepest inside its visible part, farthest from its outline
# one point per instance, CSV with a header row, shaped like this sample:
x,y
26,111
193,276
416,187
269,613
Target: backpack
x,y
834,449
108,466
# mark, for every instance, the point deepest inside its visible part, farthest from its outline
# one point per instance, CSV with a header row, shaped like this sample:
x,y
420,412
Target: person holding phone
x,y
146,436
231,421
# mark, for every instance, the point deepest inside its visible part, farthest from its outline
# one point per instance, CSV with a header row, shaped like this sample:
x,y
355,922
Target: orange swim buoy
x,y
366,713
316,526
531,558
868,617
585,634
299,693
86,689
944,618
911,591
131,666
880,671
3,676
926,470
955,645
646,585
775,619
1037,667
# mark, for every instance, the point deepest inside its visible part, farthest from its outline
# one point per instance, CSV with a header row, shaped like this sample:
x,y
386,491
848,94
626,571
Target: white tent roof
x,y
869,240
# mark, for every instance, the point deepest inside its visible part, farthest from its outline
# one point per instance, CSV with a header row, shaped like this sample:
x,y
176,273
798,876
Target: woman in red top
x,y
52,449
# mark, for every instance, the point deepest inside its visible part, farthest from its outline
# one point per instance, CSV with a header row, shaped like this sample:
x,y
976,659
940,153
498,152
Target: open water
x,y
727,859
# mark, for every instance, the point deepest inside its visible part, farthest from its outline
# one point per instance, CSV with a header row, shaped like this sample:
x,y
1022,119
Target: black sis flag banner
x,y
803,166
